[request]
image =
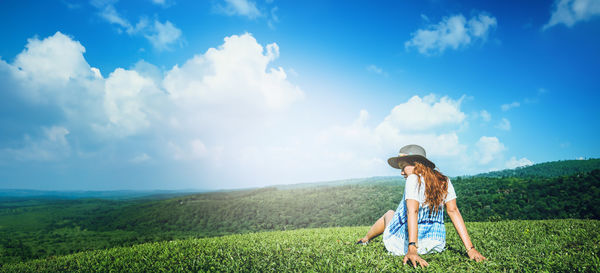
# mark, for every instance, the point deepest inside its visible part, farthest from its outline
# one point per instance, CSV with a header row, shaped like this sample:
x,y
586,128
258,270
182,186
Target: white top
x,y
412,190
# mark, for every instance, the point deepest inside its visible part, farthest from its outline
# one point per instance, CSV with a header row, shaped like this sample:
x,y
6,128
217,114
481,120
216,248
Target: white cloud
x,y
437,145
207,109
53,71
198,148
52,146
232,82
160,35
357,149
485,115
535,99
190,150
110,14
125,102
75,5
274,18
377,70
570,12
452,32
508,106
55,60
489,149
513,162
235,73
422,114
143,157
541,91
239,7
427,121
374,69
160,2
360,141
356,134
163,35
504,125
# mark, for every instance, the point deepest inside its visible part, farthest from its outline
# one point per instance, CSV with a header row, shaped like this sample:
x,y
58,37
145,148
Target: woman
x,y
417,225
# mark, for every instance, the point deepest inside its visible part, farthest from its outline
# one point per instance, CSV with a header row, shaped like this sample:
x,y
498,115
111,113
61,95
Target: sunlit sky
x,y
220,94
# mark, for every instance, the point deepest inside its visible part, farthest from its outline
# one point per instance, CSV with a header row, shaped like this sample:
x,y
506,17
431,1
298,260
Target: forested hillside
x,y
575,196
548,169
479,199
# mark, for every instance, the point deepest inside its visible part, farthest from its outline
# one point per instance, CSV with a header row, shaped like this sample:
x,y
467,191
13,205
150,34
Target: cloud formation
x,y
160,2
504,125
239,7
513,162
55,60
358,149
125,103
508,106
225,108
423,114
377,70
236,73
212,104
489,149
51,146
570,12
432,122
485,115
161,35
452,32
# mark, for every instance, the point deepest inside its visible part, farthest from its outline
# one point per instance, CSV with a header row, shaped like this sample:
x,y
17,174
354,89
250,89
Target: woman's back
x,y
416,191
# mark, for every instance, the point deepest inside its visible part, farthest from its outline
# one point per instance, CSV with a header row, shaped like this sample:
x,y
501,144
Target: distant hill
x,y
113,195
376,180
548,169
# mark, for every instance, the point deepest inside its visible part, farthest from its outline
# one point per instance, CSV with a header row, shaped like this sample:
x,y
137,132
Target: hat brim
x,y
408,159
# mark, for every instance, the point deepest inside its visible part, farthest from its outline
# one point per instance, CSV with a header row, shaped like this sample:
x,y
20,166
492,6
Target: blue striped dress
x,y
431,229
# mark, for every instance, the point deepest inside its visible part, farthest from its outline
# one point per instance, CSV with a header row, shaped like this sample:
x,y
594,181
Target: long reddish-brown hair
x,y
436,186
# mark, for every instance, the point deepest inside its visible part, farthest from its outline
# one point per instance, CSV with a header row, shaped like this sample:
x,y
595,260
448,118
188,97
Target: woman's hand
x,y
475,255
414,258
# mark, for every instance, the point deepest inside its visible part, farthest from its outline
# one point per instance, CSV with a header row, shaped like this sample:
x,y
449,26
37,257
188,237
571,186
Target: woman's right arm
x,y
461,229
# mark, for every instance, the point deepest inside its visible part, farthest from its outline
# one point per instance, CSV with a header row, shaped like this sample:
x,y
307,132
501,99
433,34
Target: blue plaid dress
x,y
431,229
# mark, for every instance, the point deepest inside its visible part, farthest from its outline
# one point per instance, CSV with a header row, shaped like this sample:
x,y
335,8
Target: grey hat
x,y
410,154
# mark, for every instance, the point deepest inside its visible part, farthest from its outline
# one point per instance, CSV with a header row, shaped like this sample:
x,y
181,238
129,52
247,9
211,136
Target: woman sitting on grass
x,y
417,225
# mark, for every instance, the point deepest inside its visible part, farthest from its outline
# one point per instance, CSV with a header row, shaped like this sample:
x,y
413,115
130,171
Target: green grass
x,y
510,246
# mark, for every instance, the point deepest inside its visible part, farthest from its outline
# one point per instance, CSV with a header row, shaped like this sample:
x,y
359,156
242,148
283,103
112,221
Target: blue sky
x,y
106,94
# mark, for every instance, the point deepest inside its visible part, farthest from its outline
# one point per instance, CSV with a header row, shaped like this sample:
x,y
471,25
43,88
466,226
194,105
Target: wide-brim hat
x,y
410,154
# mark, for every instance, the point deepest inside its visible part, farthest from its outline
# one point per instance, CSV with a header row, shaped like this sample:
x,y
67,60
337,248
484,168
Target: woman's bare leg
x,y
379,226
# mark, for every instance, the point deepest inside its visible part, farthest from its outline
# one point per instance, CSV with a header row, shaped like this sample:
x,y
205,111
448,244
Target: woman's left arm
x,y
461,229
412,217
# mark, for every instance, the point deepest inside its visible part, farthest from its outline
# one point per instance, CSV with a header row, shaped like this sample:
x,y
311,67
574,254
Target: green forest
x,y
548,169
50,227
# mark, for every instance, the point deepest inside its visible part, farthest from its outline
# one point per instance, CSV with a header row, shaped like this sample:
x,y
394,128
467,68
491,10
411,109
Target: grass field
x,y
510,246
